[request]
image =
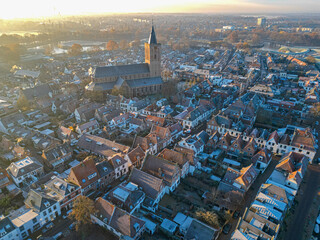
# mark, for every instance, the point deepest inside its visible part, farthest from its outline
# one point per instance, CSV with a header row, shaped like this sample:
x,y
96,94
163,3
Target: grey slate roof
x,y
121,70
38,91
119,82
60,186
203,135
6,226
101,146
14,118
152,37
143,82
133,83
104,86
104,168
199,230
57,152
29,165
37,201
151,185
125,223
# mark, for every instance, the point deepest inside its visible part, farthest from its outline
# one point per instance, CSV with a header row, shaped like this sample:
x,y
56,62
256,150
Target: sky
x,y
11,9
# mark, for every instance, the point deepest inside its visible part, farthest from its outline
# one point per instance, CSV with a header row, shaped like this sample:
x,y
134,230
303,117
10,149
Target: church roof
x,y
103,86
133,83
152,37
142,82
121,70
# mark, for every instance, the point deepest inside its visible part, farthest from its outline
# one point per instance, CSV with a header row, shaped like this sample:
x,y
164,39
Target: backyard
x,y
195,197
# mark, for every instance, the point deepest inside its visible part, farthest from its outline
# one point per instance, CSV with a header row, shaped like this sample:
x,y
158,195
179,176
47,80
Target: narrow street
x,y
250,195
307,194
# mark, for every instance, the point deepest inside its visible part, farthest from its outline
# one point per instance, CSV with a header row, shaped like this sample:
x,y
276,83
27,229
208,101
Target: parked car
x,y
226,228
47,227
236,214
50,225
122,178
108,188
58,236
188,131
72,226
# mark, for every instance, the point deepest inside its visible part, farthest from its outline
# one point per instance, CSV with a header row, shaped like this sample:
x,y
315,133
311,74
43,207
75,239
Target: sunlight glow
x,y
47,8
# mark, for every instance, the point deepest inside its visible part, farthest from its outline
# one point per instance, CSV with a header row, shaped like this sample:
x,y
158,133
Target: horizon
x,y
37,9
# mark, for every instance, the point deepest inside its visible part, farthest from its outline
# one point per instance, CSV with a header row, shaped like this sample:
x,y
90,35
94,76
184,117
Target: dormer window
x,y
136,227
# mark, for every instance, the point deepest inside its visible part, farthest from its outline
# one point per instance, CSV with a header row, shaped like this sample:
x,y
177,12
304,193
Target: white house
x,y
25,171
120,165
39,209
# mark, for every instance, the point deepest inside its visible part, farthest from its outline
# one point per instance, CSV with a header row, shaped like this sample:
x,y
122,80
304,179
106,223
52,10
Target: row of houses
x,y
266,213
290,139
41,206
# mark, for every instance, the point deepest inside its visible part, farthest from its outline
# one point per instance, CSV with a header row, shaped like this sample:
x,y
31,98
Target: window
x,y
34,220
50,210
44,213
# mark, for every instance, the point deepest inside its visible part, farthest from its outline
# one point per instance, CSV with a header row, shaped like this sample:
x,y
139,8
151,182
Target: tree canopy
x,y
83,207
75,50
233,37
311,60
112,45
209,217
23,103
11,52
123,44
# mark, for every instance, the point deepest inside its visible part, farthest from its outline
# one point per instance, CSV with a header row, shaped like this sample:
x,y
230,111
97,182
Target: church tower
x,y
152,51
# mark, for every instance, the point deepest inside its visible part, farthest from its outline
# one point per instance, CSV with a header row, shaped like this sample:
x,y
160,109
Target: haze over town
x,y
39,8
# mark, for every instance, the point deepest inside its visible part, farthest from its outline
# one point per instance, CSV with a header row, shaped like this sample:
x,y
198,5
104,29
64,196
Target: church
x,y
133,80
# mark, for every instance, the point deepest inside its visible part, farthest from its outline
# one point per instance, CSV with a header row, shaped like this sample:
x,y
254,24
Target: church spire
x,y
152,37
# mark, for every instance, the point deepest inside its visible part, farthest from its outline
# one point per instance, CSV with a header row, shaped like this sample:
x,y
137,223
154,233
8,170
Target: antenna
x,y
152,19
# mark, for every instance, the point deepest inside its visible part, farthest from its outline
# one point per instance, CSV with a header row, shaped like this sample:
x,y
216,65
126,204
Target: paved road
x,y
250,195
309,190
